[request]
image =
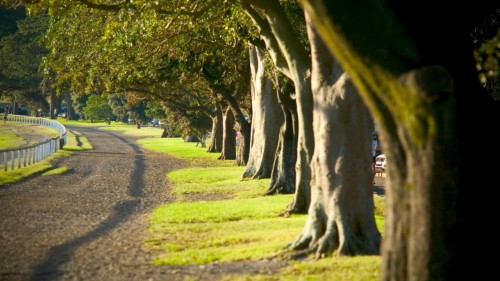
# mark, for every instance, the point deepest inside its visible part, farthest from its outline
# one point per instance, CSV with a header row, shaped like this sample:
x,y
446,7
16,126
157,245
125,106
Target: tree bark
x,y
341,214
266,120
417,77
53,104
229,137
217,131
283,175
298,68
244,144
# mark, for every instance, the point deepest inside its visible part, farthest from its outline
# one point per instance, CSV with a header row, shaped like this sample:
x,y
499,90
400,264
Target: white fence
x,y
27,155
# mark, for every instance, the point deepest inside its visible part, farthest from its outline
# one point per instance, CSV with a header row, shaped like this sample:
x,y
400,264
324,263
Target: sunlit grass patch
x,y
56,171
197,156
202,232
360,268
72,143
18,134
18,174
215,180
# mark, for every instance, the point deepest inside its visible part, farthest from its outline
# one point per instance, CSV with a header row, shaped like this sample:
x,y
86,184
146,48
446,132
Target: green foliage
x,y
486,39
20,56
97,108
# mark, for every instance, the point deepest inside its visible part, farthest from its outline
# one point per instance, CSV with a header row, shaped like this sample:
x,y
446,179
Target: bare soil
x,y
90,223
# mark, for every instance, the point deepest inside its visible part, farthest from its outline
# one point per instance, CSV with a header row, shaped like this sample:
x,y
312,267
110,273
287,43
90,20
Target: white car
x,y
380,163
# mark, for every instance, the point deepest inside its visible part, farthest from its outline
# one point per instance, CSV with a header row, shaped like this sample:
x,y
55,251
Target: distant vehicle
x,y
62,115
380,163
155,122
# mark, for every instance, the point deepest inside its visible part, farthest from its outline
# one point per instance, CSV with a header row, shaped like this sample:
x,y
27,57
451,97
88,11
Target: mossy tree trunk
x,y
267,118
417,77
341,214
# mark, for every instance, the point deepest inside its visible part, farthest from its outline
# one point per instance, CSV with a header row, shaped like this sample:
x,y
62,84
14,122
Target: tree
x,y
20,56
486,42
267,118
97,108
417,77
341,214
290,57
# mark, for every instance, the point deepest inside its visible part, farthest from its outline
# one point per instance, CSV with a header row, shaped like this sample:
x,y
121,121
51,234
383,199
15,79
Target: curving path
x,y
88,224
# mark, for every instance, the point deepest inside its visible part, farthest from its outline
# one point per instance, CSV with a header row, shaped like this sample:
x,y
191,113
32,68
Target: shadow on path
x,y
61,254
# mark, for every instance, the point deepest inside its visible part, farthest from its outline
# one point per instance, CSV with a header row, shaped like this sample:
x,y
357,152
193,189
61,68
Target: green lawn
x,y
18,134
240,224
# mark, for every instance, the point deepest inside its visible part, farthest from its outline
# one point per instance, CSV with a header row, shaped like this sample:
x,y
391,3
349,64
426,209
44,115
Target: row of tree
x,y
308,77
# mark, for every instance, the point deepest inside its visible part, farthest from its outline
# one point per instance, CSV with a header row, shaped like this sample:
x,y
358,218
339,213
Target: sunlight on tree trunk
x,y
341,214
266,120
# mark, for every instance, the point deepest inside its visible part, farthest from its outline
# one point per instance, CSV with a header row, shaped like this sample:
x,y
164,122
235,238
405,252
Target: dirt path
x,y
90,223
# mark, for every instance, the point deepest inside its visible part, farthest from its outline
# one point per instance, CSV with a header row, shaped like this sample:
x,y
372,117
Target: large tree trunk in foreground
x,y
418,79
283,175
216,135
229,138
341,214
266,120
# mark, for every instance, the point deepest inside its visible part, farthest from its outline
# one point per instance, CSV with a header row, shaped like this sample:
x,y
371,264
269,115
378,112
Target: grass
x,y
18,134
45,167
228,230
212,180
243,226
196,156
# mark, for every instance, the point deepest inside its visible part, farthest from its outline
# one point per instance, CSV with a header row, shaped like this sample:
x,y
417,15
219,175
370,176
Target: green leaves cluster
x,y
97,108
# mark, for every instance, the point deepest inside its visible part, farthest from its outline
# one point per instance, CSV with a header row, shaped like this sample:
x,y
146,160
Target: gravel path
x,y
90,223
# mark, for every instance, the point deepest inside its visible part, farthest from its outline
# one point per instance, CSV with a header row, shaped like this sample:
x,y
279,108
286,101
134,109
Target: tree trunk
x,y
217,131
244,144
69,106
341,214
53,105
417,77
229,138
266,120
298,63
283,175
